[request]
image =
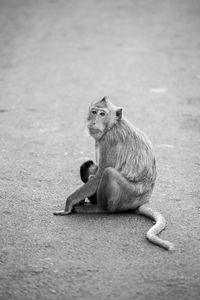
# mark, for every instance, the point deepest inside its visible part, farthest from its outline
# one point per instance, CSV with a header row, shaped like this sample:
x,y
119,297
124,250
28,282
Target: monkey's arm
x,y
89,188
86,190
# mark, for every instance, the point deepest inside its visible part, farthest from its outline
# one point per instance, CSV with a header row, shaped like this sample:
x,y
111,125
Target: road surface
x,y
56,57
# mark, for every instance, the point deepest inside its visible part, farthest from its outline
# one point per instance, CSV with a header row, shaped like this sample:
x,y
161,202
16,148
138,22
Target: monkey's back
x,y
135,158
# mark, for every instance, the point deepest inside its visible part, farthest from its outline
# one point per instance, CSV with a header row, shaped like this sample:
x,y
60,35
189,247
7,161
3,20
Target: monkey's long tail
x,y
155,229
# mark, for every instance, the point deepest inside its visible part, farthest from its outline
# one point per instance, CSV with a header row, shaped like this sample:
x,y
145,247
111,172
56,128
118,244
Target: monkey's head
x,y
103,115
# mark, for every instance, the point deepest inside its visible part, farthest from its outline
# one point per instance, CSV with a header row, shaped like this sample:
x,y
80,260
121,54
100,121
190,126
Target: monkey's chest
x,y
97,154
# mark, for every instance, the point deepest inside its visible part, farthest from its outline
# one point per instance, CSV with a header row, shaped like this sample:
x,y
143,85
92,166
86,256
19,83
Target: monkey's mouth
x,y
94,130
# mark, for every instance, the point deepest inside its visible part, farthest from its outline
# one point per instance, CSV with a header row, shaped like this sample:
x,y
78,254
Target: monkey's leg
x,y
87,170
115,193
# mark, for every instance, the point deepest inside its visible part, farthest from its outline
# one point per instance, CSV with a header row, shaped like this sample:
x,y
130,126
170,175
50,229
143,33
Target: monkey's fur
x,y
87,170
126,172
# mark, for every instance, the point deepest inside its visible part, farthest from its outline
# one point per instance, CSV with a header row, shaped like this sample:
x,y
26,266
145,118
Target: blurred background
x,y
56,57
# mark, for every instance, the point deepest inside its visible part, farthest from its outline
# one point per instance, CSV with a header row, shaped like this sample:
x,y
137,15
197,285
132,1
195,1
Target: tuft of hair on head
x,y
103,103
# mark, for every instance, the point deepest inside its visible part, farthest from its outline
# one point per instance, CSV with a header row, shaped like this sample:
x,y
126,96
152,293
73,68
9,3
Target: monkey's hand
x,y
62,212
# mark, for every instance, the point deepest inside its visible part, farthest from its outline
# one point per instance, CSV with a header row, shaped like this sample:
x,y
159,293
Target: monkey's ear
x,y
119,113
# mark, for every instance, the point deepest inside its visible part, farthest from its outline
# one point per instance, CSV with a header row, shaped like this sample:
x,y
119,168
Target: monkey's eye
x,y
94,112
102,113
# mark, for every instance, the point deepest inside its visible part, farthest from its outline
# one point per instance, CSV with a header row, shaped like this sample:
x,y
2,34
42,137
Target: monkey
x,y
87,171
124,177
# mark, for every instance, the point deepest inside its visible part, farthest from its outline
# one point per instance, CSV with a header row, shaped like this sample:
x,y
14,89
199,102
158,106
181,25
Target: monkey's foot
x,y
62,213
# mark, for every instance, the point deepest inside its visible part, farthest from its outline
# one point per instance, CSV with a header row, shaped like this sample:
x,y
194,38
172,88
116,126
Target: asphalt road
x,y
56,57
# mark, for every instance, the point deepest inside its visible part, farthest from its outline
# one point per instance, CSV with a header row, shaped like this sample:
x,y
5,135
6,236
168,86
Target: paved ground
x,y
55,57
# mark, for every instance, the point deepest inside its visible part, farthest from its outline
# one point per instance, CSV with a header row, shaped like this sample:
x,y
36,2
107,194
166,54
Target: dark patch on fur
x,y
84,170
85,173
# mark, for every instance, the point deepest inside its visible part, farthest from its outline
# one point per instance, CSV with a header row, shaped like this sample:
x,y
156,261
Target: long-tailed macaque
x,y
125,174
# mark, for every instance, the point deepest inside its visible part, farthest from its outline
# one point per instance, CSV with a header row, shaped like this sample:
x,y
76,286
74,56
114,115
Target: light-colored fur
x,y
126,170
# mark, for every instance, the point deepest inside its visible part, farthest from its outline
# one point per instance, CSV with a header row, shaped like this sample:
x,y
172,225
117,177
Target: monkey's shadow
x,y
91,209
92,212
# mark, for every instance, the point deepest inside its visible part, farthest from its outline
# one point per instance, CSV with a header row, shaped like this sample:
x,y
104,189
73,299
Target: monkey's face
x,y
103,115
98,120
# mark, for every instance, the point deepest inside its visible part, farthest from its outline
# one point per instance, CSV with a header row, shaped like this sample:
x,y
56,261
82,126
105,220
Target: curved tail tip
x,y
170,247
